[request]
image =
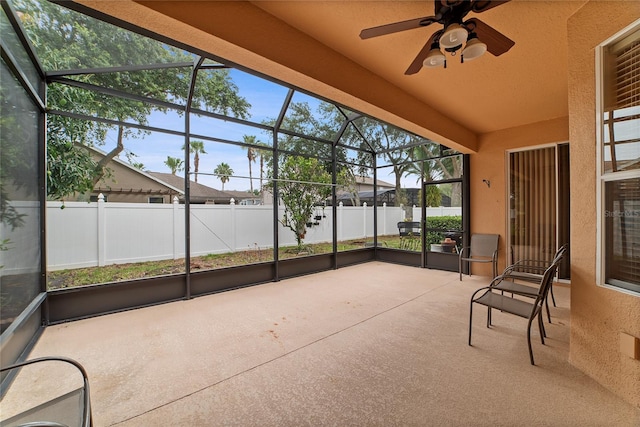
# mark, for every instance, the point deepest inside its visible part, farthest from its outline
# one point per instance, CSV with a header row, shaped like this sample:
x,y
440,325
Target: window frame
x,y
602,176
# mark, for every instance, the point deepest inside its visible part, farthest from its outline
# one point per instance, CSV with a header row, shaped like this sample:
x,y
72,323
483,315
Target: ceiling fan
x,y
476,36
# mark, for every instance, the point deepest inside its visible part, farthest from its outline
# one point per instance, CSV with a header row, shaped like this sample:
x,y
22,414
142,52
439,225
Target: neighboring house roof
x,y
121,184
363,194
365,180
199,193
242,195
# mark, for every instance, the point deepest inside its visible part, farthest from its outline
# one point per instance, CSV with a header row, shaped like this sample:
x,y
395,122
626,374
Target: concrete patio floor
x,y
374,344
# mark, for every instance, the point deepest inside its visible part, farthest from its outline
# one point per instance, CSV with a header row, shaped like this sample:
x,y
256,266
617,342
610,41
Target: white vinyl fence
x,y
92,234
20,252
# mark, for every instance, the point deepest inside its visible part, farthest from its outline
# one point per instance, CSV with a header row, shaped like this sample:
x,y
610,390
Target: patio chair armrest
x,y
491,285
497,280
484,288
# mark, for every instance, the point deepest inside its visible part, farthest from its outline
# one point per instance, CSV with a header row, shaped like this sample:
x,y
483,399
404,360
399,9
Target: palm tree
x,y
197,148
174,164
223,171
251,155
265,157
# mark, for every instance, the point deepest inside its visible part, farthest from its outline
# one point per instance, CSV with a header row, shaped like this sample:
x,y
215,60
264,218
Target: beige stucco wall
x,y
598,315
488,204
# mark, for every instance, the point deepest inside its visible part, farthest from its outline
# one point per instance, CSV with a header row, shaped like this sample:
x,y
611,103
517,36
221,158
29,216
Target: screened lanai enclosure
x,y
138,171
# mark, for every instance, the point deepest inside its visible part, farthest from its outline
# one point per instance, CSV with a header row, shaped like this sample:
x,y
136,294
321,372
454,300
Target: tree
x,y
174,164
303,184
428,165
251,156
76,41
196,148
322,123
131,158
223,171
386,138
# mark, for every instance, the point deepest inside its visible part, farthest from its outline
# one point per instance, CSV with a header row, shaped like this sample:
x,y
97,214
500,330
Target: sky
x,y
266,99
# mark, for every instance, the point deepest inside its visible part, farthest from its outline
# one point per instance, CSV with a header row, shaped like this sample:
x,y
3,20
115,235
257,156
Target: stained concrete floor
x,y
369,345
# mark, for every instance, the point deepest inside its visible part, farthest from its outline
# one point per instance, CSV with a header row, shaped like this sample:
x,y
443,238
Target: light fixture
x,y
453,36
474,48
469,46
435,58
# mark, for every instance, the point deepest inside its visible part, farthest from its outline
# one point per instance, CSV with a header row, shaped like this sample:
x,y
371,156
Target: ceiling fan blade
x,y
482,5
497,43
416,65
397,27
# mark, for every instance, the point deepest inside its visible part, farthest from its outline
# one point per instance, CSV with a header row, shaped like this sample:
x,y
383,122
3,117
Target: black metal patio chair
x,y
409,232
493,298
70,409
483,249
530,271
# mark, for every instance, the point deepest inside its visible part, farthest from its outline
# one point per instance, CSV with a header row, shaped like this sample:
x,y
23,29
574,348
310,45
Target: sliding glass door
x,y
539,203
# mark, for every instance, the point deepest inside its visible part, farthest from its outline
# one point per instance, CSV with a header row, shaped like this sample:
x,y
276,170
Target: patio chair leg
x,y
529,342
470,320
488,317
553,298
543,331
546,304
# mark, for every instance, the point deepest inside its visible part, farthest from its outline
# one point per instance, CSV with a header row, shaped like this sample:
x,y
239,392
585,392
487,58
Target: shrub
x,y
445,224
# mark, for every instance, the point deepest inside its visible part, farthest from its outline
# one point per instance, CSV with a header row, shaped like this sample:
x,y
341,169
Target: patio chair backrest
x,y
560,253
409,228
484,245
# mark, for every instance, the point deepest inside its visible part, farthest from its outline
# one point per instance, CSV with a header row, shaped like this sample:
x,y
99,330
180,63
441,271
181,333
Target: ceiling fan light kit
x,y
472,36
474,49
454,36
435,58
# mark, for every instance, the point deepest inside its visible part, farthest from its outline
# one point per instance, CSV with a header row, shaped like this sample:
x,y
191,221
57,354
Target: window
x,y
620,162
156,199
